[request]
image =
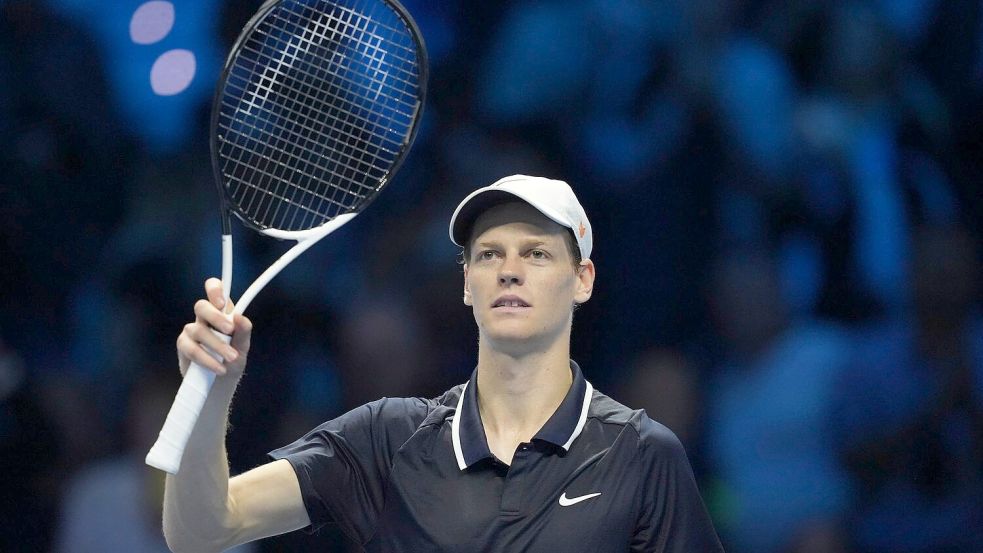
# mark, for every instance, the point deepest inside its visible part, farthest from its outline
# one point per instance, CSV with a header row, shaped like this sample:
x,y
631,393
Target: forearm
x,y
198,515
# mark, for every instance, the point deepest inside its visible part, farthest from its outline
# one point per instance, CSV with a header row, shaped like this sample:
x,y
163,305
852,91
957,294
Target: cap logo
x,y
582,230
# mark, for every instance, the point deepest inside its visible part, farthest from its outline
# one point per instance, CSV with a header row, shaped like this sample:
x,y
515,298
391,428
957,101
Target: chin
x,y
510,333
507,330
515,336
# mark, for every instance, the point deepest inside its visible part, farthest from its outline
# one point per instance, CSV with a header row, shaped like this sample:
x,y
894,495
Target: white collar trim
x,y
583,416
456,423
456,429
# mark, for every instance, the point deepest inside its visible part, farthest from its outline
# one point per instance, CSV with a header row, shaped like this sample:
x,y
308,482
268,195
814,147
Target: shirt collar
x,y
562,428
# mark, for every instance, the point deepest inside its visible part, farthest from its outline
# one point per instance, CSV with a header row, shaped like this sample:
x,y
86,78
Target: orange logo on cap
x,y
583,229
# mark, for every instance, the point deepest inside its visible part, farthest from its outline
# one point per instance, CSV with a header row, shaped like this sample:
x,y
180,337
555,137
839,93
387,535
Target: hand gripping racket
x,y
315,110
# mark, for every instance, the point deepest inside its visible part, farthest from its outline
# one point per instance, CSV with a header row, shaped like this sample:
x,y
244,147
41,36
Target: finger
x,y
194,352
210,315
185,343
215,293
206,336
204,358
241,337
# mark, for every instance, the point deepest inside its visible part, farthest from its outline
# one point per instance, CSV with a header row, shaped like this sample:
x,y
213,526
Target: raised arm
x,y
205,510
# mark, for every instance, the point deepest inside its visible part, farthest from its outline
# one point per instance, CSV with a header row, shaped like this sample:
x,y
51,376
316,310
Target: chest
x,y
547,500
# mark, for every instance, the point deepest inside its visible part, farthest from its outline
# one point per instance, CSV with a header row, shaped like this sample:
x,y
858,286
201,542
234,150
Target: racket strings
x,y
315,76
244,89
279,205
317,107
310,123
409,74
302,145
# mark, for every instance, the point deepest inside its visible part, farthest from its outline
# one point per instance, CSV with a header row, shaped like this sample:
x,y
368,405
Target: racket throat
x,y
305,239
226,269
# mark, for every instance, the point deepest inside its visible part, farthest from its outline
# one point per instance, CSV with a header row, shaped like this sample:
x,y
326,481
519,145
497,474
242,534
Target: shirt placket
x,y
516,485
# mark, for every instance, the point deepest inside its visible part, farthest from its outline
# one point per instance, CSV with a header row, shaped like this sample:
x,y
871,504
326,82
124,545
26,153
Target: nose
x,y
510,272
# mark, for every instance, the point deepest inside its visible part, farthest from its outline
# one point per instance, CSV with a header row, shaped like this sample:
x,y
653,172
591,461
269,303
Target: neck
x,y
519,393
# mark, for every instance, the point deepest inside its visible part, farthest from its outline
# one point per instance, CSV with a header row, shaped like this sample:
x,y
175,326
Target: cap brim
x,y
481,201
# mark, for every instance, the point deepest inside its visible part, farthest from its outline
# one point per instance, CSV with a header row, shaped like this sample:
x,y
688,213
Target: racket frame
x,y
167,452
229,206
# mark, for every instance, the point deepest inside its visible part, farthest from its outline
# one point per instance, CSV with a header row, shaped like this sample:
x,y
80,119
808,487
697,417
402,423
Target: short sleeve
x,y
343,465
672,517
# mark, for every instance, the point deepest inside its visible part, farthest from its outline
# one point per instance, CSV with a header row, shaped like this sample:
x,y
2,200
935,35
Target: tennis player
x,y
524,456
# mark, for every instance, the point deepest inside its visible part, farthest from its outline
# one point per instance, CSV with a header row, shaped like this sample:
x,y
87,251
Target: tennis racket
x,y
316,108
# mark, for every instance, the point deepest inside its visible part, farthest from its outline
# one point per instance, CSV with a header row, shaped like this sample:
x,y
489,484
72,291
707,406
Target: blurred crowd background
x,y
786,203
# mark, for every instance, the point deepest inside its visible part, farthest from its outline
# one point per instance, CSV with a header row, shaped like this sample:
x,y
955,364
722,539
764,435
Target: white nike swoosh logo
x,y
566,502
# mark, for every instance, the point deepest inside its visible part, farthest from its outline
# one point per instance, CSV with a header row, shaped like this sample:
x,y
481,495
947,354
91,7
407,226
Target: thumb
x,y
216,295
242,333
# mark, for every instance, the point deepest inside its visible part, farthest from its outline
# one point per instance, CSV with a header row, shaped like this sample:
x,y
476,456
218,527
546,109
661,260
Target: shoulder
x,y
656,440
393,416
383,425
448,398
442,408
400,408
651,437
410,413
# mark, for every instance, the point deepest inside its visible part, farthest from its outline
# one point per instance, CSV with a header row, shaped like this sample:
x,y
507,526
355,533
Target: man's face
x,y
521,280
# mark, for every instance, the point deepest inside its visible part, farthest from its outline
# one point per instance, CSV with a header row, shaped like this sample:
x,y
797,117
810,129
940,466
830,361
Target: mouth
x,y
510,302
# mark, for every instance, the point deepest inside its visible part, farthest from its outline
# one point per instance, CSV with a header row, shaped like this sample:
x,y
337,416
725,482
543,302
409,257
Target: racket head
x,y
317,105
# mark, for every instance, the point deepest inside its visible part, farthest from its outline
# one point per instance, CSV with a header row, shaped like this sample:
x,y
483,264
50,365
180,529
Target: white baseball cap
x,y
553,198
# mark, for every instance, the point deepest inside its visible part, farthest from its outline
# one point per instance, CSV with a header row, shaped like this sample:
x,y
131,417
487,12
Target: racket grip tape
x,y
167,452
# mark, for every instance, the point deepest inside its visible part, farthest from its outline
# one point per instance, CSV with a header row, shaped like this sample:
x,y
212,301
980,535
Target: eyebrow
x,y
530,243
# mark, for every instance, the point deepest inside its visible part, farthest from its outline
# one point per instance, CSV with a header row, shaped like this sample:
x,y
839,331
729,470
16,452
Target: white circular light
x,y
173,72
151,22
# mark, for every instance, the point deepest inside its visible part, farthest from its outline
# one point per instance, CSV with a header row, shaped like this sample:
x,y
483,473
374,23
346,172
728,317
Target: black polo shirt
x,y
416,475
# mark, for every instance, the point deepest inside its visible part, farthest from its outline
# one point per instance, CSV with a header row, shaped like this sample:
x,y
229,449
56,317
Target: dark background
x,y
786,206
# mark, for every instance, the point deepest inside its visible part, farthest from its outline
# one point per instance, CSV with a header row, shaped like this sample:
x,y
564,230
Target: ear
x,y
585,281
467,288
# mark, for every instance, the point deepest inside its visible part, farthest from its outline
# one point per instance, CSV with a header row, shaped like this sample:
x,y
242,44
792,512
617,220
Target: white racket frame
x,y
167,452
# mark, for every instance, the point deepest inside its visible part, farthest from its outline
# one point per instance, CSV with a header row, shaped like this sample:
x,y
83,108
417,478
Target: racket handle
x,y
190,400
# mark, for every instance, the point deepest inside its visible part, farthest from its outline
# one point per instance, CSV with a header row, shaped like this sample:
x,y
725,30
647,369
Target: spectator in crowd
x,y
664,383
770,405
31,457
115,504
910,409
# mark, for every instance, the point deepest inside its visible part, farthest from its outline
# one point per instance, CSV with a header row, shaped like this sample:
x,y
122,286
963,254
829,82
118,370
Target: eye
x,y
538,254
486,255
